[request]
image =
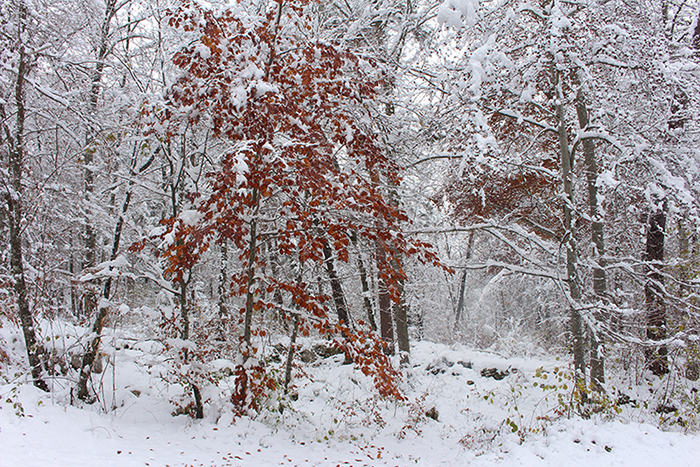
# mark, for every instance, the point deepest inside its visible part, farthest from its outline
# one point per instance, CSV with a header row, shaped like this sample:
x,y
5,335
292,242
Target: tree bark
x,y
399,308
185,335
273,260
401,320
223,289
463,282
386,325
575,322
290,354
657,356
696,37
341,307
184,310
599,285
365,285
35,350
198,404
252,255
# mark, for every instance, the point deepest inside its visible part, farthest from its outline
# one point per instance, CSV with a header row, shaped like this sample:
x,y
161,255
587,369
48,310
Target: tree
x,y
657,358
594,88
112,138
529,99
103,306
15,34
384,30
297,174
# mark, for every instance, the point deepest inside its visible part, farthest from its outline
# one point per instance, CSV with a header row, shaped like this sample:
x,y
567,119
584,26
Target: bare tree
x,y
13,146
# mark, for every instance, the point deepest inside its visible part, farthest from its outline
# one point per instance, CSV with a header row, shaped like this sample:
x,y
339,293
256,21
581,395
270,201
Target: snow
x,y
203,51
559,21
263,87
252,72
106,269
90,441
607,178
349,133
336,420
190,216
239,96
528,92
452,11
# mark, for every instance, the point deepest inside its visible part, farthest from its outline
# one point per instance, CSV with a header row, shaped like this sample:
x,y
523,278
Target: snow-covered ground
x,y
337,420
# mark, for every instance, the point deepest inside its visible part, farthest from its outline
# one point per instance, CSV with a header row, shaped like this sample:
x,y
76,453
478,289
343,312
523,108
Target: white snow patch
x,y
607,178
203,51
190,216
452,11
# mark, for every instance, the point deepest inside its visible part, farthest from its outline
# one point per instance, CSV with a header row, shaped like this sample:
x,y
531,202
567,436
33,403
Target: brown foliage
x,y
300,169
526,196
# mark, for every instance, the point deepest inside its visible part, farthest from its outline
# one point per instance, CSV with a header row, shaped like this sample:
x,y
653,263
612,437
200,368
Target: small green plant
x,y
574,397
12,397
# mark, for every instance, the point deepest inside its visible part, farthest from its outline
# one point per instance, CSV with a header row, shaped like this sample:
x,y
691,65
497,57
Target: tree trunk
x,y
575,324
90,255
223,289
290,354
341,307
365,285
185,335
273,260
657,356
386,325
463,282
240,394
599,285
399,308
252,255
401,320
98,325
184,311
35,350
696,37
198,404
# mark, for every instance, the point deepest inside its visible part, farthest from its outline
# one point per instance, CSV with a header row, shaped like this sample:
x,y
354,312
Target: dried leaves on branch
x,y
299,172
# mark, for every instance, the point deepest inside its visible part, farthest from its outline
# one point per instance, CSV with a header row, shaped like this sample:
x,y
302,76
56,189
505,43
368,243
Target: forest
x,y
227,200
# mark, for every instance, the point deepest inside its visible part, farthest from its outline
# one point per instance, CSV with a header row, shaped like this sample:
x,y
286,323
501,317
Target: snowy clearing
x,y
335,421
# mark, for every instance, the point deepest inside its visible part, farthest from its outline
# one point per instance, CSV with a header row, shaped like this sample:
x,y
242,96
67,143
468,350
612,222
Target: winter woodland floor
x,y
336,420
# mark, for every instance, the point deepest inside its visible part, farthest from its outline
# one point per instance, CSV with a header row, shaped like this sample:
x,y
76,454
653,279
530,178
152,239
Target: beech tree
x,y
299,174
